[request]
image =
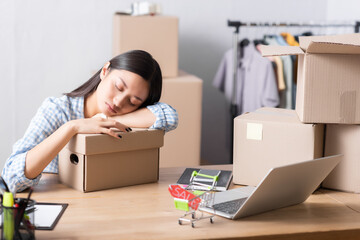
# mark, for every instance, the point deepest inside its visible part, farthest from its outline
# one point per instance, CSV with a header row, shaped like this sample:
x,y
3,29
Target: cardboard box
x,y
328,82
157,35
91,162
182,146
271,137
343,139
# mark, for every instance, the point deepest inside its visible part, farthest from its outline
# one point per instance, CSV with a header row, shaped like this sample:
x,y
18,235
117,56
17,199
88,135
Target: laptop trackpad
x,y
241,192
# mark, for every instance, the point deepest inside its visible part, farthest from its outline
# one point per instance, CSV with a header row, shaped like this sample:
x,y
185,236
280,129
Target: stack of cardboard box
x,y
159,36
328,90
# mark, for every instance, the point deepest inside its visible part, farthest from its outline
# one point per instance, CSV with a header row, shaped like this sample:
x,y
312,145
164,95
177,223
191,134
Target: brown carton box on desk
x,y
328,77
344,139
91,162
271,137
157,35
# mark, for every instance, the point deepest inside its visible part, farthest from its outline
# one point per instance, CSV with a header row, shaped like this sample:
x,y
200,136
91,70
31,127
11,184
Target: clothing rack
x,y
238,24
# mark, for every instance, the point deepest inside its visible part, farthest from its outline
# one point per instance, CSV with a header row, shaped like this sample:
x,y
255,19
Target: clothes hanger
x,y
243,43
259,41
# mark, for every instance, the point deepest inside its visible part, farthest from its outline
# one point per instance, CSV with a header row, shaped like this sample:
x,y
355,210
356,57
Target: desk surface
x,y
147,212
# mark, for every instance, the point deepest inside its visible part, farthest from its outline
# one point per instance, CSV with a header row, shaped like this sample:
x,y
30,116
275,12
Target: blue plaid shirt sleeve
x,y
48,119
166,116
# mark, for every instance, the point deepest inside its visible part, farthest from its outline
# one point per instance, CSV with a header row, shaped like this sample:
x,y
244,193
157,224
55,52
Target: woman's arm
x,y
141,118
158,116
42,154
166,117
48,132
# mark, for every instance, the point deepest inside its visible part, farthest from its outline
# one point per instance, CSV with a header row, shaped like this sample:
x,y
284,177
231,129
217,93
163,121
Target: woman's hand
x,y
98,124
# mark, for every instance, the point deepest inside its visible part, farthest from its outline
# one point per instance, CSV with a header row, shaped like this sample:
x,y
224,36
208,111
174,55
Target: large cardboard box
x,y
91,162
344,139
182,146
271,137
157,35
328,83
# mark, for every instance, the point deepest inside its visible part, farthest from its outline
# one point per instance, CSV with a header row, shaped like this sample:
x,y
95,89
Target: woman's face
x,y
120,92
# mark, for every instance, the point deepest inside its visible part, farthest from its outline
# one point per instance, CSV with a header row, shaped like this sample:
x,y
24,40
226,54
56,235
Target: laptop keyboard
x,y
230,207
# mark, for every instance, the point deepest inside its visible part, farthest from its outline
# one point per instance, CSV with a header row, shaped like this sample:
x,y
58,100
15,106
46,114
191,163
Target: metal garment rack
x,y
237,25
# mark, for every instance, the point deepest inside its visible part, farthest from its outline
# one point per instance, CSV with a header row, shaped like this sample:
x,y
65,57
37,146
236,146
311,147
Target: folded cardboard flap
x,y
314,47
350,39
334,48
273,50
338,44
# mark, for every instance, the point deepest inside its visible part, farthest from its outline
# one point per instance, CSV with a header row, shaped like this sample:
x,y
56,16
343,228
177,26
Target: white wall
x,y
346,10
7,79
49,47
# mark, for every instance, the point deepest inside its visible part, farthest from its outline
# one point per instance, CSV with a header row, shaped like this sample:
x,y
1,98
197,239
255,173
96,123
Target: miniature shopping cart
x,y
205,180
189,199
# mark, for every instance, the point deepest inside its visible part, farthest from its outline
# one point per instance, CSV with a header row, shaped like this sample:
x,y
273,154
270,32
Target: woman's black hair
x,y
135,61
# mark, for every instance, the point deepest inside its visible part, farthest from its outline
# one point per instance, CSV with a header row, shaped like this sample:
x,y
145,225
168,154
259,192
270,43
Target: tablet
x,y
47,215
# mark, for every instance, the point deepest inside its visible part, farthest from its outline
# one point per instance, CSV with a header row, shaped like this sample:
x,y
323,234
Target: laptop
x,y
283,186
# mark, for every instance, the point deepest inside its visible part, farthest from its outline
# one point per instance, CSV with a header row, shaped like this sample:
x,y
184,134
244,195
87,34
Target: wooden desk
x,y
148,212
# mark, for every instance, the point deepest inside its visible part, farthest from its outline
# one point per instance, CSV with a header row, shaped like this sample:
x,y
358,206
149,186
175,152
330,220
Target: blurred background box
x,y
157,35
272,137
344,139
182,146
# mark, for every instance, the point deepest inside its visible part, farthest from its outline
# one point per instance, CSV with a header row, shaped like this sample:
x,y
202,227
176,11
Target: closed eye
x,y
119,88
132,104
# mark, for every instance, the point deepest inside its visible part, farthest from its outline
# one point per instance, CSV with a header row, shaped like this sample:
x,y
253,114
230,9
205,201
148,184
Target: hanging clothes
x,y
256,84
278,69
285,96
290,39
280,73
